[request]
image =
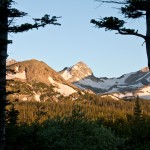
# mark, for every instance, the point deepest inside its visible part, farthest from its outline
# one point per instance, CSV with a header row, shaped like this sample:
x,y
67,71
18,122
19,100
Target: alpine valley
x,y
35,80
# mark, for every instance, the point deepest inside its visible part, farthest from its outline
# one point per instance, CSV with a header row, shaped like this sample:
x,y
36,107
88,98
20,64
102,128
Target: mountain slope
x,y
133,83
36,78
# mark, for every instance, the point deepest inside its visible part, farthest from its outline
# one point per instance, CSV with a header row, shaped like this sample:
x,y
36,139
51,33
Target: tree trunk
x,y
3,57
147,40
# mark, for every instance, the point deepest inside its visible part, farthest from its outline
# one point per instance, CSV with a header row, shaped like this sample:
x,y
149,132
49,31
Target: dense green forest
x,y
92,124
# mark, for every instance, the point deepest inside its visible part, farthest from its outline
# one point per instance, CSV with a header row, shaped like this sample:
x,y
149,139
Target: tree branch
x,y
113,23
15,13
38,23
130,32
114,2
10,21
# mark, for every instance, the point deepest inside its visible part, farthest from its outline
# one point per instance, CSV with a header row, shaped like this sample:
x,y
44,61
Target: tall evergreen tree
x,y
131,9
12,116
137,110
137,126
7,18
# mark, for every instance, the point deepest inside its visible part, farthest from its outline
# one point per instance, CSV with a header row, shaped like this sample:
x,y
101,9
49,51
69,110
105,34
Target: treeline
x,y
96,124
100,108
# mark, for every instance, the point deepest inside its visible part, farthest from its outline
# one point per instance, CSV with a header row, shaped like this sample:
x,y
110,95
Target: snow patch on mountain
x,y
18,75
103,83
124,95
121,87
66,75
37,97
143,92
17,69
110,96
63,89
24,99
51,80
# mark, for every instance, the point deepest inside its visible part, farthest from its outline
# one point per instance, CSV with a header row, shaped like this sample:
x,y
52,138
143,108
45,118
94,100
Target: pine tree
x,y
12,116
131,9
137,125
137,110
7,25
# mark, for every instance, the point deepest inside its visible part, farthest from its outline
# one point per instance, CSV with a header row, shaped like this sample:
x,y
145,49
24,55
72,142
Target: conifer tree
x,y
12,116
8,14
138,124
137,110
131,9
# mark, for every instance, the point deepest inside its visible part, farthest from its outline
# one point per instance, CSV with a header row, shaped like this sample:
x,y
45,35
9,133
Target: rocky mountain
x,y
35,80
76,72
126,86
10,62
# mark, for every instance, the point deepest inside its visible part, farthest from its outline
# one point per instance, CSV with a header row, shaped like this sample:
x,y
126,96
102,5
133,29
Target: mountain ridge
x,y
80,77
37,76
127,83
76,72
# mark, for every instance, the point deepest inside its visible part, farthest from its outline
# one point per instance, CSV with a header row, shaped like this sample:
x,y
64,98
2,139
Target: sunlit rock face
x,y
76,72
35,80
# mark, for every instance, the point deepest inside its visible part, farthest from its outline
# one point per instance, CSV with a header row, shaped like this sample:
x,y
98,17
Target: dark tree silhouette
x,y
131,9
7,25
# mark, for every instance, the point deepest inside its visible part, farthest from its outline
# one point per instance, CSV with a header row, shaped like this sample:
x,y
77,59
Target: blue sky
x,y
106,53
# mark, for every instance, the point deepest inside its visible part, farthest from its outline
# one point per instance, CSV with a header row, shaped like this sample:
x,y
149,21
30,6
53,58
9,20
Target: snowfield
x,y
66,75
125,86
63,89
19,75
105,83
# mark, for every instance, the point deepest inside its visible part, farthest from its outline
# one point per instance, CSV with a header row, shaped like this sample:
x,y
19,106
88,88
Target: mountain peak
x,y
76,72
80,63
10,61
145,69
80,66
39,77
33,70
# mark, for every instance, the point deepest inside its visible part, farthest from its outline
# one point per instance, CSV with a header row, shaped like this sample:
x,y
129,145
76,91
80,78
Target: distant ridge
x,y
74,79
125,86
